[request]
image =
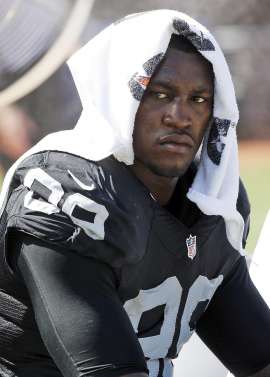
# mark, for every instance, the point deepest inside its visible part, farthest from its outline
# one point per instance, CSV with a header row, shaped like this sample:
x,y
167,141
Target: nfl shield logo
x,y
191,246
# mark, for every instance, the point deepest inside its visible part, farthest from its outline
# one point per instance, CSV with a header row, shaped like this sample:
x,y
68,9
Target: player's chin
x,y
173,163
171,169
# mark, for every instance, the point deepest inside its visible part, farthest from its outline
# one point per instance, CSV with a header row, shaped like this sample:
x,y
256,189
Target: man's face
x,y
174,113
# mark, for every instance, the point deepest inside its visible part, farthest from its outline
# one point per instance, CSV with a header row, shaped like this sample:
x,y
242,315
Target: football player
x,y
115,245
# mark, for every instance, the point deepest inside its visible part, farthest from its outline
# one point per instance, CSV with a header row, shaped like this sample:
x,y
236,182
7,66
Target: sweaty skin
x,y
171,121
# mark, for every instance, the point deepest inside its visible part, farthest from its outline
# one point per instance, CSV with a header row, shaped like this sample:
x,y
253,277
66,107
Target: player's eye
x,y
198,99
157,94
160,95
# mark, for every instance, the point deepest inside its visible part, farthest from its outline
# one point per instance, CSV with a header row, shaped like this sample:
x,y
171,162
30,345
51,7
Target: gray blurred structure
x,y
27,30
242,27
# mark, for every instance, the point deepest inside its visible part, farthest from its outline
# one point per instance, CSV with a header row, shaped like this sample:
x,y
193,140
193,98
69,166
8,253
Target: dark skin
x,y
171,121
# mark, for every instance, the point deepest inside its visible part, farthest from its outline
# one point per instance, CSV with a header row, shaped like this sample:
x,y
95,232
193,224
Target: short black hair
x,y
181,43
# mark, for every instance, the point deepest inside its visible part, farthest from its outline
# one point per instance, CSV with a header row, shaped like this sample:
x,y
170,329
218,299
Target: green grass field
x,y
255,172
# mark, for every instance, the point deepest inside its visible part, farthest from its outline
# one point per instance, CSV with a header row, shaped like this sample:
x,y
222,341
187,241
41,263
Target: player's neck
x,y
161,188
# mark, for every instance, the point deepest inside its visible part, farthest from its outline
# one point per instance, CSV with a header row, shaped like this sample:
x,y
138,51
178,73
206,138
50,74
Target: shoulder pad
x,y
99,209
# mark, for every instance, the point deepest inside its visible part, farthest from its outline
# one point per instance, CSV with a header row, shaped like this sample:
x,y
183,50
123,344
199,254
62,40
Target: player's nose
x,y
177,114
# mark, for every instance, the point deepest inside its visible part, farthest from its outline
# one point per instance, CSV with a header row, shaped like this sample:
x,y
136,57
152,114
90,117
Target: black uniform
x,y
96,278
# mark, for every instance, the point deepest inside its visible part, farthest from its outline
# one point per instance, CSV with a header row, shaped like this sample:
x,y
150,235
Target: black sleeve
x,y
79,315
236,325
83,206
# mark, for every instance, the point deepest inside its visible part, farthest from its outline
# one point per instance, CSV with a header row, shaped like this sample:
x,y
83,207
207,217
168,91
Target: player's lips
x,y
178,143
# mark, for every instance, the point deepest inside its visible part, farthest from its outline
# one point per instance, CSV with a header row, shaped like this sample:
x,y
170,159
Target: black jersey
x,y
173,270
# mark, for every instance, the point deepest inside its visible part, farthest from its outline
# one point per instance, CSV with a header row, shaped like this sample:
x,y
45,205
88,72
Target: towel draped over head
x,y
111,73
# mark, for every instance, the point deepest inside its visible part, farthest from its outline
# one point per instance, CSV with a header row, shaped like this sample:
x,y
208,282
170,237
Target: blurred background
x,y
242,28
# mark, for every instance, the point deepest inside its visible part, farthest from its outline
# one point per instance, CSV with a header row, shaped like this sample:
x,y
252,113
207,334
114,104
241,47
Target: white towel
x,y
111,72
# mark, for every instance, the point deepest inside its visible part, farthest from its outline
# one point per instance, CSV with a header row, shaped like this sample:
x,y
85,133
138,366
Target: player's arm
x,y
79,315
236,325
